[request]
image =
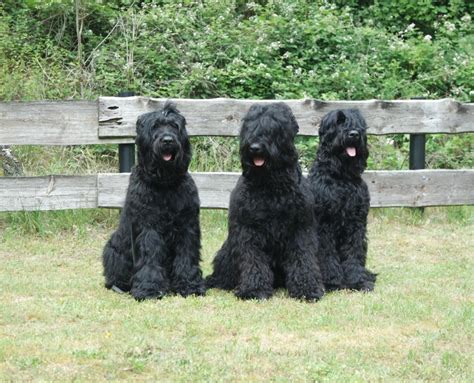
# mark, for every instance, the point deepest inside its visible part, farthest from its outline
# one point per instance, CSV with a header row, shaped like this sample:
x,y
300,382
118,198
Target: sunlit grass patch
x,y
59,323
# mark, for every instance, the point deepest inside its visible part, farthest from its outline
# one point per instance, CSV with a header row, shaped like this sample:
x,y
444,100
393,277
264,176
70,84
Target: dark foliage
x,y
342,200
156,248
271,241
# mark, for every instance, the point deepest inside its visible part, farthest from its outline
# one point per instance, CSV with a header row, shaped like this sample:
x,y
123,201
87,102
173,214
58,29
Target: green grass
x,y
57,322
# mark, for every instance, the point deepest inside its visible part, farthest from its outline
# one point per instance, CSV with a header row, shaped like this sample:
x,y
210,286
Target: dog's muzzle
x,y
166,148
352,142
257,155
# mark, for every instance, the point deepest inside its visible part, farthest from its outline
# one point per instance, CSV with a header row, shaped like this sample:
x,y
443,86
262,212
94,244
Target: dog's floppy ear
x,y
140,124
340,117
326,122
294,124
333,118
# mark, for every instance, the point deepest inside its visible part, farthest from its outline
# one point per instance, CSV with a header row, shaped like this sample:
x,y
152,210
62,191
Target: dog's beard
x,y
255,159
167,153
169,156
350,148
255,165
255,162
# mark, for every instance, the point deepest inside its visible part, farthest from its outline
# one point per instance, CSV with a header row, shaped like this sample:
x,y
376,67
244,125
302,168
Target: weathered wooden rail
x,y
112,120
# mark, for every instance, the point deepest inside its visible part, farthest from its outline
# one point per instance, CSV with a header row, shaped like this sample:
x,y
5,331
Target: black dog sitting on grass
x,y
342,200
156,248
271,240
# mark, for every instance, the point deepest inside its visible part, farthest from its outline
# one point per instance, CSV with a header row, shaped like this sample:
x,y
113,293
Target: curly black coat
x,y
156,248
342,200
271,240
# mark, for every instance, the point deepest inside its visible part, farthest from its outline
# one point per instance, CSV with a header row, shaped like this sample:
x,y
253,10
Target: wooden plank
x,y
112,189
214,188
113,118
51,123
409,188
417,188
221,117
48,193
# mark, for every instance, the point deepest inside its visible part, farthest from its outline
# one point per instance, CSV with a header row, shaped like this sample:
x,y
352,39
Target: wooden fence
x,y
112,120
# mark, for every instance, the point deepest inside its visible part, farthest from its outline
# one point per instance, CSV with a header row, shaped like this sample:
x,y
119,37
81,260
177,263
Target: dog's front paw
x,y
199,290
253,294
149,290
141,295
356,277
365,286
309,296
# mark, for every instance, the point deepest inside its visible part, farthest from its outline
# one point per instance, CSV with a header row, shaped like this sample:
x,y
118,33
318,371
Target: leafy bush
x,y
351,49
277,49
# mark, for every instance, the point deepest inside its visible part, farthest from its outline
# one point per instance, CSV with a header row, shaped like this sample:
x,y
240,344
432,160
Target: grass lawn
x,y
57,322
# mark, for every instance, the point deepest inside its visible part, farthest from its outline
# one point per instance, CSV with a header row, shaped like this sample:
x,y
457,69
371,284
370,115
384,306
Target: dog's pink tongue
x,y
167,156
351,151
258,161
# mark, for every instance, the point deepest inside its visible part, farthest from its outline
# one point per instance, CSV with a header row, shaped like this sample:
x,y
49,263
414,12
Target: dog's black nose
x,y
353,134
167,139
255,147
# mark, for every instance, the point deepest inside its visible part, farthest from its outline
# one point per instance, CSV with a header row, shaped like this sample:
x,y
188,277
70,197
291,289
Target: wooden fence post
x,y
417,151
126,151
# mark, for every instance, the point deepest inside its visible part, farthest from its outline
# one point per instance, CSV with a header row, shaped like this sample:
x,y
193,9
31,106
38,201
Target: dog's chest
x,y
168,209
346,198
275,211
164,210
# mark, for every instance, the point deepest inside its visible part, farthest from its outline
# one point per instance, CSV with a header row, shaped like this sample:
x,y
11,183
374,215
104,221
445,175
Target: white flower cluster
x,y
275,45
466,19
449,26
410,28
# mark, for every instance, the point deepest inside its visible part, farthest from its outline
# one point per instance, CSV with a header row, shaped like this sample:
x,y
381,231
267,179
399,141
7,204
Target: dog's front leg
x,y
330,263
187,276
256,275
301,267
150,279
354,252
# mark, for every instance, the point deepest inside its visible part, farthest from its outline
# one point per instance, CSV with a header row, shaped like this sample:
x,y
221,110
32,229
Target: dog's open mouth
x,y
167,157
258,161
351,151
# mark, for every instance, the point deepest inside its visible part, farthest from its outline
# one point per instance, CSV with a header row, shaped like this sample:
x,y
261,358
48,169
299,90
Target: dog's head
x,y
267,139
164,150
342,135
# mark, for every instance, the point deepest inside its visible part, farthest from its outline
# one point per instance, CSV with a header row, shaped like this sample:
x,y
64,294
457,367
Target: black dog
x,y
342,200
156,248
271,240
